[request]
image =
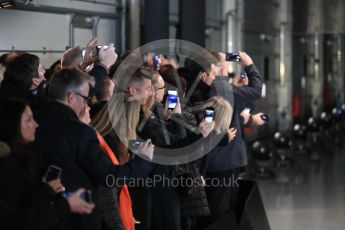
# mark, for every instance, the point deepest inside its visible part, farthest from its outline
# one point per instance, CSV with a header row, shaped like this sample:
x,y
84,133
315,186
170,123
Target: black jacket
x,y
100,73
200,93
96,108
10,90
234,155
72,145
25,201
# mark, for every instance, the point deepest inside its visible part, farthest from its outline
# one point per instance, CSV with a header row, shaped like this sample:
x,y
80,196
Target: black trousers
x,y
221,191
166,210
141,204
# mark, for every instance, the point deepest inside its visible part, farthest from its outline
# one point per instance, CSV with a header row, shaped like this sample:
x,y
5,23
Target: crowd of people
x,y
76,139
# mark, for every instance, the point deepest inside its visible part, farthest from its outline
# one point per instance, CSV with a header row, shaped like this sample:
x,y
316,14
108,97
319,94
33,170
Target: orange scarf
x,y
125,203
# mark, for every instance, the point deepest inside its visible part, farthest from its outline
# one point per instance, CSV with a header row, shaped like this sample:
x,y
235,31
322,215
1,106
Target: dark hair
x,y
170,75
22,70
10,132
197,64
49,73
66,81
103,89
10,122
3,59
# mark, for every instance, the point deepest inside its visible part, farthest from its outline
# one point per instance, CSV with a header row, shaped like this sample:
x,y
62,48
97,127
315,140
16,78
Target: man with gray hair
x,y
73,146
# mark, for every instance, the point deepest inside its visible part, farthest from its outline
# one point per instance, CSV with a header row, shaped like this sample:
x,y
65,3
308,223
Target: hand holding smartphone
x,y
134,144
87,196
234,56
53,173
209,114
172,99
265,117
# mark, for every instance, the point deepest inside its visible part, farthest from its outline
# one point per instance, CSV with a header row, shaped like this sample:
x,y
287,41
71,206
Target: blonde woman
x,y
117,123
222,113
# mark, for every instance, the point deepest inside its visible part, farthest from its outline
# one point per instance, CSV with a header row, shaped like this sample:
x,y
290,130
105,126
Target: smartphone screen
x,y
156,60
209,114
83,51
98,47
172,99
53,173
134,143
246,110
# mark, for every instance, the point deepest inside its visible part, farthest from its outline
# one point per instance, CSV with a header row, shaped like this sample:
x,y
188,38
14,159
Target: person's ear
x,y
132,90
203,76
36,81
70,98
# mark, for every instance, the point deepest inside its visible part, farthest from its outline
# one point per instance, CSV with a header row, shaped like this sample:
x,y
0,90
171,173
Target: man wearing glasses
x,y
73,146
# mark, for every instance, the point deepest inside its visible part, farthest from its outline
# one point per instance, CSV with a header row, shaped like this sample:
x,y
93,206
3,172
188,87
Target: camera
x,y
235,56
209,112
172,99
53,173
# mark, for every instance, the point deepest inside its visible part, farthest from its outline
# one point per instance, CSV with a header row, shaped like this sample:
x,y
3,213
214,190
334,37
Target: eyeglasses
x,y
87,99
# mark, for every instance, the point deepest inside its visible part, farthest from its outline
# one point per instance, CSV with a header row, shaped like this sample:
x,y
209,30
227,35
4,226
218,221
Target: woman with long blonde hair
x,y
116,125
120,118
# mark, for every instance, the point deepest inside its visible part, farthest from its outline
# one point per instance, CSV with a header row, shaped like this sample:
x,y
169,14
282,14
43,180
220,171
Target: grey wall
x,y
25,30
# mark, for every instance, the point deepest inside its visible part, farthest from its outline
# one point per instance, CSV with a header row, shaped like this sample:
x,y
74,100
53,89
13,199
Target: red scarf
x,y
125,203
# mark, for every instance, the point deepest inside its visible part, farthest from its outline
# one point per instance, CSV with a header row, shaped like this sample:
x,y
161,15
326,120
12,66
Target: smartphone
x,y
156,60
246,110
87,196
209,112
172,99
243,75
235,56
134,144
265,117
53,173
83,52
98,47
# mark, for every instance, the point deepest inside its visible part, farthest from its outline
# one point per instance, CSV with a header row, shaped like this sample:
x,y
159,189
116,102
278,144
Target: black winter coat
x,y
67,142
234,154
25,201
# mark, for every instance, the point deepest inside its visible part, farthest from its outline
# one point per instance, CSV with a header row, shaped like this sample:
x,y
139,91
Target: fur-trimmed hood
x,y
5,150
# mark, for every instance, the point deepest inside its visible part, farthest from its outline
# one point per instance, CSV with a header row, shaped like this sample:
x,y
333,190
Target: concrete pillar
x,y
232,30
339,82
284,83
315,79
133,24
